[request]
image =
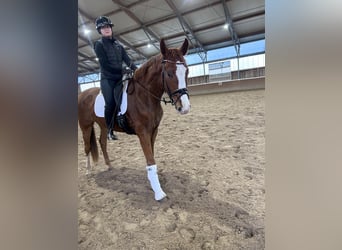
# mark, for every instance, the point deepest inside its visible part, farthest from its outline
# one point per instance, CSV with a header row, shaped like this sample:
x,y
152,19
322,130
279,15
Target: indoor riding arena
x,y
211,161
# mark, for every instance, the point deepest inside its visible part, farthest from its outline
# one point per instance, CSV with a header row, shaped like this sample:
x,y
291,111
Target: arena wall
x,y
227,86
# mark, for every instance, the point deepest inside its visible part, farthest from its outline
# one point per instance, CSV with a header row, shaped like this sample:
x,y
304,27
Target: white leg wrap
x,y
152,176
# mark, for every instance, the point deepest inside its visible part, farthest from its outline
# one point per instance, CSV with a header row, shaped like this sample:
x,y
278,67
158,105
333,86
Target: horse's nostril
x,y
179,109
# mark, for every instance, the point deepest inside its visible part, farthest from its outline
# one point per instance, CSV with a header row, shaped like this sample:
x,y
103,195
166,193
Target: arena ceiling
x,y
139,26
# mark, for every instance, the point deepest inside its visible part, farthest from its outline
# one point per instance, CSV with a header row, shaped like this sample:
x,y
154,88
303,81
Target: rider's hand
x,y
126,70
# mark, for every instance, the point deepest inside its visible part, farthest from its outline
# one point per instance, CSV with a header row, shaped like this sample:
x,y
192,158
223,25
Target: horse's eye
x,y
170,74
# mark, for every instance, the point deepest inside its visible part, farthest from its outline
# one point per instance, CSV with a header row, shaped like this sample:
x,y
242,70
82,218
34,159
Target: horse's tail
x,y
93,146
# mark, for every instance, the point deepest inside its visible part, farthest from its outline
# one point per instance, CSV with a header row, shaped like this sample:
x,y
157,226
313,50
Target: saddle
x,y
119,116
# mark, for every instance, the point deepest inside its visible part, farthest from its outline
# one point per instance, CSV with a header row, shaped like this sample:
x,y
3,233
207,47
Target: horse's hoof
x,y
159,196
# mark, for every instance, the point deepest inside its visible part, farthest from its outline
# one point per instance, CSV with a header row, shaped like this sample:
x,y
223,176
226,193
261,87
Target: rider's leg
x,y
107,89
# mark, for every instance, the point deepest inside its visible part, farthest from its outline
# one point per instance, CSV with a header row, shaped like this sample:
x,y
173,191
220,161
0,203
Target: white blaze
x,y
180,72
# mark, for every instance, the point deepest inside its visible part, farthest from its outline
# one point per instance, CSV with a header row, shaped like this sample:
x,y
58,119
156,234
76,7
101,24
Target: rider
x,y
111,55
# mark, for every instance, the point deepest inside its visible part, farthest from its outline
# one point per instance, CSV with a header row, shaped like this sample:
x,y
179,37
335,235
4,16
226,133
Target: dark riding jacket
x,y
111,55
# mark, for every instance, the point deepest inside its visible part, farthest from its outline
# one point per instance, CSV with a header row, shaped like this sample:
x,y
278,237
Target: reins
x,y
153,95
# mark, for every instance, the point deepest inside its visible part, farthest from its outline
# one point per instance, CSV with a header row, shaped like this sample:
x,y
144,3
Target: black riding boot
x,y
111,135
109,117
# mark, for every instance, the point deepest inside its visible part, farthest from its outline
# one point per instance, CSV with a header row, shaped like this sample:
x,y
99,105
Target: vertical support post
x,y
238,59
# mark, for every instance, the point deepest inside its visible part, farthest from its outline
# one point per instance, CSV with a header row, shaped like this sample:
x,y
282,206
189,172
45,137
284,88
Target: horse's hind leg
x,y
88,165
103,142
86,132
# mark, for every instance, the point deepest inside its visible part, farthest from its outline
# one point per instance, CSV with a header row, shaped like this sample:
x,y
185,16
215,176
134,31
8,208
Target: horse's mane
x,y
142,70
155,61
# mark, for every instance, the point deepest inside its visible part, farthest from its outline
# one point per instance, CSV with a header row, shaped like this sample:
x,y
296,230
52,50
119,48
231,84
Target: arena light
x,y
86,31
225,26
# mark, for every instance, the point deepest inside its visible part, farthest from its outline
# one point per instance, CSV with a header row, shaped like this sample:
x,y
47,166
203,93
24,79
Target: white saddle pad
x,y
100,103
123,107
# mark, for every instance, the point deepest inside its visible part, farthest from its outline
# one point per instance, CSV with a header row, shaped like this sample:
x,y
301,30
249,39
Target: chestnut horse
x,y
167,73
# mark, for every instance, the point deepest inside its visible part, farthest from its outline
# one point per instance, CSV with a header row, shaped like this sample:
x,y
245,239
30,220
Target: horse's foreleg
x,y
152,174
153,139
146,144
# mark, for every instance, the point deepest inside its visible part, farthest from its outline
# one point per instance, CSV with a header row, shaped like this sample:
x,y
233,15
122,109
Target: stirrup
x,y
112,136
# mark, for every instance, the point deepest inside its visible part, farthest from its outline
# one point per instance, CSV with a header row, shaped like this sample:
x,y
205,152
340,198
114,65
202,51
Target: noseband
x,y
179,92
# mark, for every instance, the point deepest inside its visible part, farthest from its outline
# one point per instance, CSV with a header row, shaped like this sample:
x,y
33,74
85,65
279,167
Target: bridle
x,y
179,92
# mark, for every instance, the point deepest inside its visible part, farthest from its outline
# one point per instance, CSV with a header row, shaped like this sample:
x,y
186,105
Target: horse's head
x,y
175,75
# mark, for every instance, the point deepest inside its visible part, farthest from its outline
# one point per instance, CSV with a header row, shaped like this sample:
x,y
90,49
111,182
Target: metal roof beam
x,y
201,51
131,47
169,17
83,14
90,58
225,43
85,67
118,38
231,29
147,31
83,39
83,55
108,13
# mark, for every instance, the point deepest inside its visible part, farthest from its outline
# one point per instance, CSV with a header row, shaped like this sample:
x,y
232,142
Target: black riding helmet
x,y
102,21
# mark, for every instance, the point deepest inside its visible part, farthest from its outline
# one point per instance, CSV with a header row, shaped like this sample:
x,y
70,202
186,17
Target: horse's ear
x,y
163,47
185,46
